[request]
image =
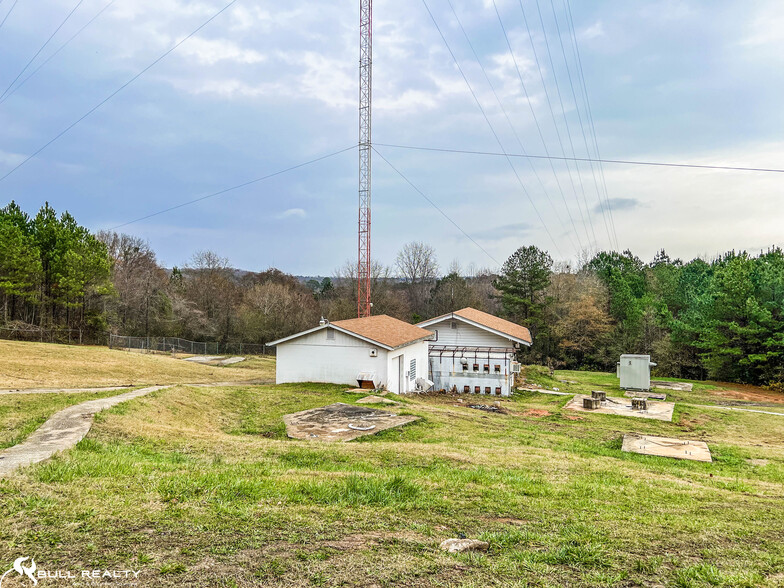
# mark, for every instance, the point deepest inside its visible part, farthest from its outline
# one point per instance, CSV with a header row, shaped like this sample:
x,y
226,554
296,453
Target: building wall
x,y
416,351
447,372
315,358
465,334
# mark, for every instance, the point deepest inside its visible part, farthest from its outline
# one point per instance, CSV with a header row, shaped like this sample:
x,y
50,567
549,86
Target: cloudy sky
x,y
266,86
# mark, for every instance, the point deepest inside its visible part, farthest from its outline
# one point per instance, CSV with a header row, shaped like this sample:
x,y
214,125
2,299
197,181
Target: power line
x,y
118,90
555,124
37,53
498,99
565,118
434,205
63,46
570,21
492,129
232,188
7,14
533,114
586,159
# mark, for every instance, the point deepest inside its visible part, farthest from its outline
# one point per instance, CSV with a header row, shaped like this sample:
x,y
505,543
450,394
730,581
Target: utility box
x,y
635,372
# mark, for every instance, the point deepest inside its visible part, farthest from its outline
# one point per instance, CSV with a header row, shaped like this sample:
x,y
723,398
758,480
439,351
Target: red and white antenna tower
x,y
365,147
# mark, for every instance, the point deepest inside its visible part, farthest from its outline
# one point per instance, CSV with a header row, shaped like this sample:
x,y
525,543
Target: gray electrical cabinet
x,y
635,372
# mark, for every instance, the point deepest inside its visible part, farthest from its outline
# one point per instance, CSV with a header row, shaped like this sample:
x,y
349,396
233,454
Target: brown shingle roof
x,y
384,329
491,322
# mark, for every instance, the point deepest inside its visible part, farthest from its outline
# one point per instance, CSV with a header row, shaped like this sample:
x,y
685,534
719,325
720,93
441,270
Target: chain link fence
x,y
179,345
68,336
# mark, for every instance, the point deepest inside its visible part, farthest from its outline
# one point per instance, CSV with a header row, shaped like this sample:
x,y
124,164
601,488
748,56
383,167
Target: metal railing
x,y
179,345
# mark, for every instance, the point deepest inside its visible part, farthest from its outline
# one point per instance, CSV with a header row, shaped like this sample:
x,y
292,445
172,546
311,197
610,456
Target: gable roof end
x,y
488,322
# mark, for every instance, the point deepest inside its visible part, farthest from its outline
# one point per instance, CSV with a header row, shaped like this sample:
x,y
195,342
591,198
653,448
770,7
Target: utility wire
x,y
63,46
580,120
498,99
492,130
434,205
570,21
555,124
533,112
586,159
566,121
232,188
37,53
117,91
7,14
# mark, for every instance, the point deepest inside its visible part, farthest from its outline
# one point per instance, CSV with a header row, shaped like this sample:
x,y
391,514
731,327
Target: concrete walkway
x,y
62,431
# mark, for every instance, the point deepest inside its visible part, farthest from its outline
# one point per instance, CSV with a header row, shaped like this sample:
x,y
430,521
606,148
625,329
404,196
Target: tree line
x,y
721,318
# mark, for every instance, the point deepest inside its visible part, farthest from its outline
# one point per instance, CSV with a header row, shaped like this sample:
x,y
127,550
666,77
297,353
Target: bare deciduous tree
x,y
417,265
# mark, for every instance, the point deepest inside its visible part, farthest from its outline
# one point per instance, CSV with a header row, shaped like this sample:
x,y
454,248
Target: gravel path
x,y
62,431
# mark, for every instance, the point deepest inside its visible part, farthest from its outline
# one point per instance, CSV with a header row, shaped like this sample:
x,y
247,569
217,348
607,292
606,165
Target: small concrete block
x,y
639,404
591,403
598,394
460,545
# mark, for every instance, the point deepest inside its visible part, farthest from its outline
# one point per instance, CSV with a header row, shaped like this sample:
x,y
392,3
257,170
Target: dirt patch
x,y
666,447
570,417
749,394
536,412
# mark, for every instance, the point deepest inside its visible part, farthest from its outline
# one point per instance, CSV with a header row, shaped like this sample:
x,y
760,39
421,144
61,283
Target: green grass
x,y
21,414
201,487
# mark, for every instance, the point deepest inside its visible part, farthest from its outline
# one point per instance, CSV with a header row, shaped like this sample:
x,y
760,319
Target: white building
x,y
380,349
474,352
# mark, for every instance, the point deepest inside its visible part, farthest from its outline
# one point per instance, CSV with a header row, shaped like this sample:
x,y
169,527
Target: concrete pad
x,y
231,360
543,391
375,400
203,358
678,386
666,447
62,431
661,411
341,422
643,394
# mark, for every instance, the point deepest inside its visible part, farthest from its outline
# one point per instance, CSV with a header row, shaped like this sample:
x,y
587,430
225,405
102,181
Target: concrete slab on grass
x,y
666,447
661,411
642,394
677,386
341,422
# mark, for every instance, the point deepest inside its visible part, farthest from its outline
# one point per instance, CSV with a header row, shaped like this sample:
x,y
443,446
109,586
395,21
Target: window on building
x,y
330,335
487,368
487,389
476,367
412,370
465,367
498,391
466,389
497,368
477,389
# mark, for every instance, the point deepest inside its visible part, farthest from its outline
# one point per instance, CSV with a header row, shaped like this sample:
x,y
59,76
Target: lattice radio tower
x,y
365,147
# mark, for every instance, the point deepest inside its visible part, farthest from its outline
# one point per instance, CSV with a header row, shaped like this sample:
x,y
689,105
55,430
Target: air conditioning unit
x,y
374,353
515,367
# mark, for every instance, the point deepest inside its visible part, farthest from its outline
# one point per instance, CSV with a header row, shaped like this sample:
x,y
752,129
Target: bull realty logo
x,y
31,574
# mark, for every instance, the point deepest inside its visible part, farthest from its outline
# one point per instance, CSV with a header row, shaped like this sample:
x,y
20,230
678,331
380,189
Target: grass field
x,y
201,487
34,365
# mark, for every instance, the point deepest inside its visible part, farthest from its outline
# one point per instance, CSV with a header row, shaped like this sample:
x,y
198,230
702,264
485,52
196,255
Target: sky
x,y
267,86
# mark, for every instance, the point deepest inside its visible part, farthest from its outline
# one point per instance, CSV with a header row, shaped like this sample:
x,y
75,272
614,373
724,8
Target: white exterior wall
x,y
417,351
466,334
314,358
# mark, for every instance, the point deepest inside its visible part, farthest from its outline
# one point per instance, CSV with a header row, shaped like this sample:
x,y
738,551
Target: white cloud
x,y
212,51
292,213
